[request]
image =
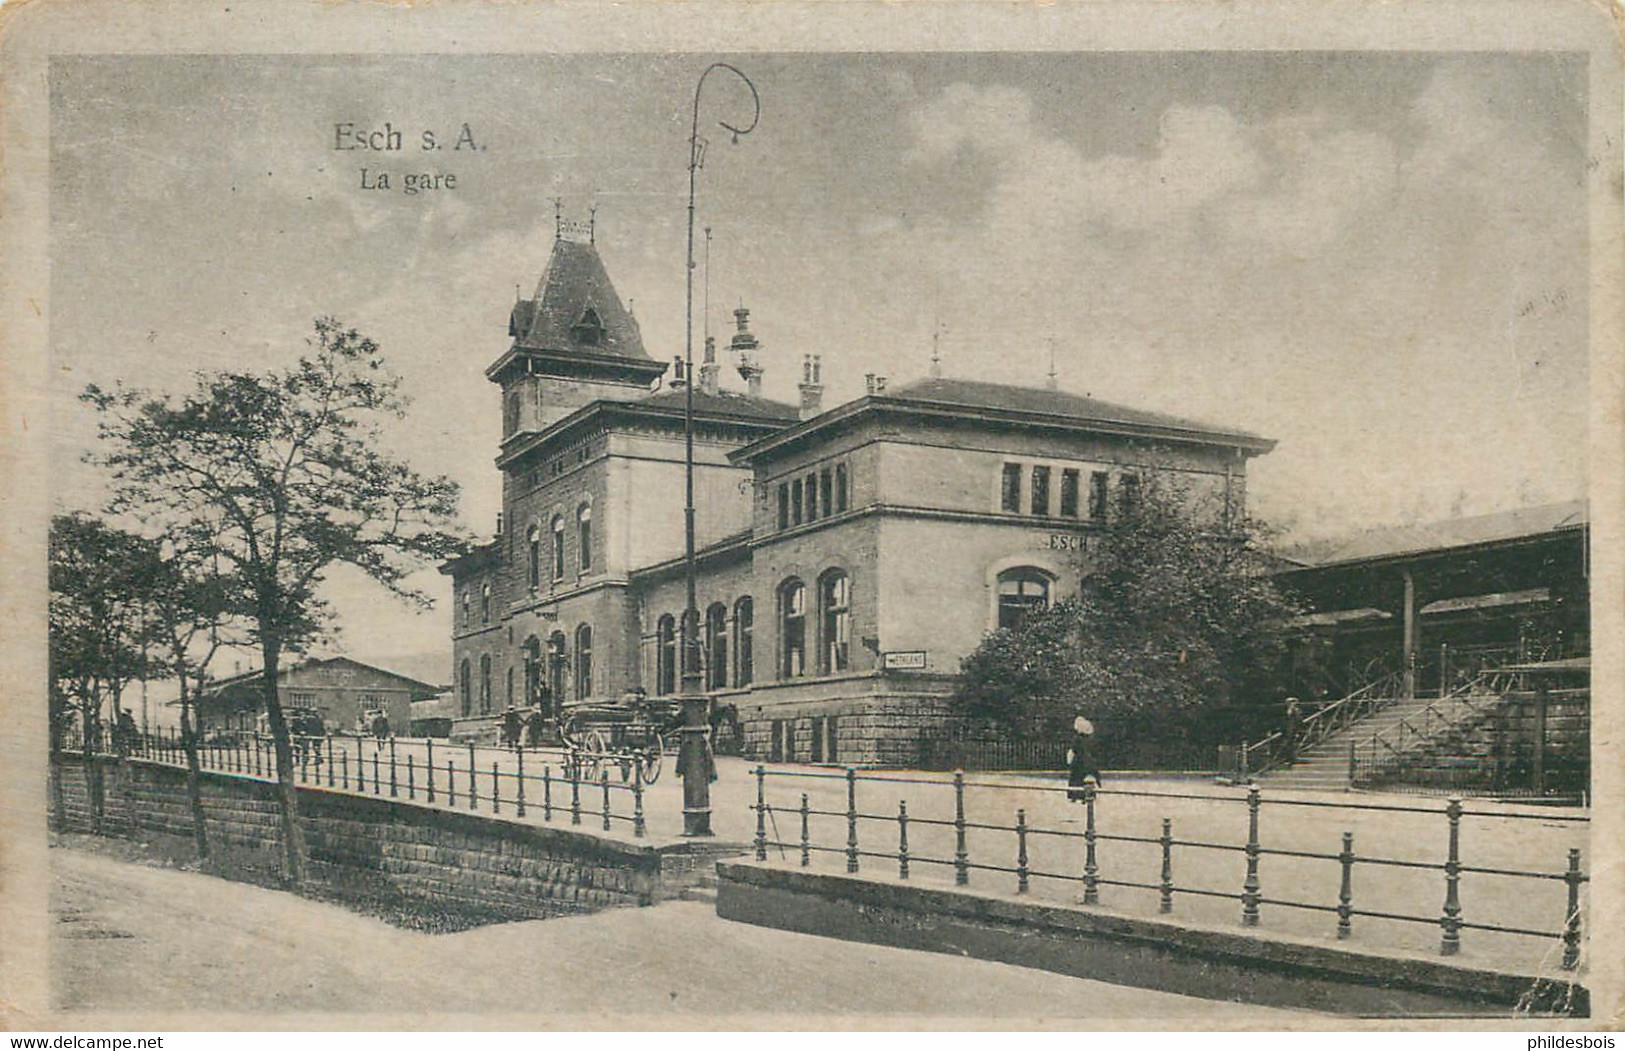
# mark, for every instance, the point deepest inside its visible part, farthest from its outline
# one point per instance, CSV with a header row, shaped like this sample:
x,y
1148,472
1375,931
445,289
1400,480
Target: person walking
x,y
1293,727
1082,761
511,728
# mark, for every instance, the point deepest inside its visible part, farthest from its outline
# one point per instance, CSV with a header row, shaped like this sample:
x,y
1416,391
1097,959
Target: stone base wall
x,y
382,849
881,730
1497,752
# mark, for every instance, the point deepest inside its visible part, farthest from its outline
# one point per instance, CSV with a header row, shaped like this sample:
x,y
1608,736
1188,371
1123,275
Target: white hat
x,y
1083,726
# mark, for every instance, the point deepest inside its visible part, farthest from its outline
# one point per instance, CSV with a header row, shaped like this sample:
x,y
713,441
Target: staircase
x,y
1324,765
1383,732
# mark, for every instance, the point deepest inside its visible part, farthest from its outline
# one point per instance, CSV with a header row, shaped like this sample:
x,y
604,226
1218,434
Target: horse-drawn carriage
x,y
624,737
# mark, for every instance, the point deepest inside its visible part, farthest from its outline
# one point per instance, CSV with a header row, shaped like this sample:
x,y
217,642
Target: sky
x,y
1377,259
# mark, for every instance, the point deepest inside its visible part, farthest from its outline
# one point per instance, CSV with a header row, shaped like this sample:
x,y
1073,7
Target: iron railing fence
x,y
956,856
585,786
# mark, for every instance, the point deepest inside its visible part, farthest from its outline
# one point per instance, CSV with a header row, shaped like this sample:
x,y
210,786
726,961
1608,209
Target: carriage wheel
x,y
594,748
654,751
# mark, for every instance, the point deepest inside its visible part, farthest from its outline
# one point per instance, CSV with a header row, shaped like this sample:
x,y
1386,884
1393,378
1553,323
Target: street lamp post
x,y
694,760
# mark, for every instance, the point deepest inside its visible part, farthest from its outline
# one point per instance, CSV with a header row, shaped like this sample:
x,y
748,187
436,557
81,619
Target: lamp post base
x,y
694,764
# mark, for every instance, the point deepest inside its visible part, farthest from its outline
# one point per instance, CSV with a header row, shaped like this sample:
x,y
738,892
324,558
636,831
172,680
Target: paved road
x,y
129,937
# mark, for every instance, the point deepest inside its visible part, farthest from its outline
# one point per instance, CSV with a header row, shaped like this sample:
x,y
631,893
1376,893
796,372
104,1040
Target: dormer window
x,y
588,329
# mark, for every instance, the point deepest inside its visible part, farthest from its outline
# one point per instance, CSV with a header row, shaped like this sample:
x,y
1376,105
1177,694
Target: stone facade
x,y
848,558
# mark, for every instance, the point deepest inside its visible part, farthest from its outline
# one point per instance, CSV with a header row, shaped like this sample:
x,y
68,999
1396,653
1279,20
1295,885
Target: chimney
x,y
880,384
812,386
873,384
709,367
745,347
677,378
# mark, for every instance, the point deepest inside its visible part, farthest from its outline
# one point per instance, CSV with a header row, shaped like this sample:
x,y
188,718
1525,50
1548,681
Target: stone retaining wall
x,y
385,850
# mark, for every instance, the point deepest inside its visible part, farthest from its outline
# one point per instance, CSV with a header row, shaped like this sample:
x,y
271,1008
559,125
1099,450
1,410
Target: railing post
x,y
761,812
603,779
376,790
1166,902
1250,886
1353,768
411,777
547,792
360,768
1345,890
329,743
851,820
496,789
575,792
902,839
519,791
961,855
638,825
344,770
1241,761
1021,851
473,792
393,790
1571,922
1091,871
806,843
428,766
451,782
1450,941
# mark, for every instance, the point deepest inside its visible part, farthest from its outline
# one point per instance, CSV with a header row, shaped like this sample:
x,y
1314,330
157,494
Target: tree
x,y
96,631
280,476
1176,632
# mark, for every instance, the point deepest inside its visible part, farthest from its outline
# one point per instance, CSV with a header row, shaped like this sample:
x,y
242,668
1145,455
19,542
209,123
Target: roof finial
x,y
1052,383
592,224
558,218
936,353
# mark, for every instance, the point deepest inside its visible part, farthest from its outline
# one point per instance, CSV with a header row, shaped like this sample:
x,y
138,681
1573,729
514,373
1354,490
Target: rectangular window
x,y
1040,491
818,739
812,497
1069,493
795,502
1097,496
775,748
784,505
840,487
826,491
1010,489
830,753
1128,493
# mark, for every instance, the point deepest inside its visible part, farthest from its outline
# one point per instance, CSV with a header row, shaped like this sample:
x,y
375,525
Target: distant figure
x,y
127,733
535,728
511,727
380,725
1081,760
1294,726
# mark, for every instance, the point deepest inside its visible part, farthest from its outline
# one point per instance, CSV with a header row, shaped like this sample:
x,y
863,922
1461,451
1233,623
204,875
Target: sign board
x,y
903,659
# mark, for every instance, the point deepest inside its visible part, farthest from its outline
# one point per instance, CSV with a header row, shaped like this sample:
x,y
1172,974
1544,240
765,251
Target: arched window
x,y
835,622
534,549
584,662
792,629
485,603
666,655
534,679
584,535
743,657
1021,591
558,547
509,702
557,661
485,683
716,646
465,680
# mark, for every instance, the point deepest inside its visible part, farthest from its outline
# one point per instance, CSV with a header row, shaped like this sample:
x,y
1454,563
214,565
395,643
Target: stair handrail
x,y
1265,753
1466,696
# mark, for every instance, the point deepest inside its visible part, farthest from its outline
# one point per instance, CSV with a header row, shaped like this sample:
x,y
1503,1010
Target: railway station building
x,y
848,555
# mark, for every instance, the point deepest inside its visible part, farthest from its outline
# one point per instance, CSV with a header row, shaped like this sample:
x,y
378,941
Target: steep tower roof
x,y
576,321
